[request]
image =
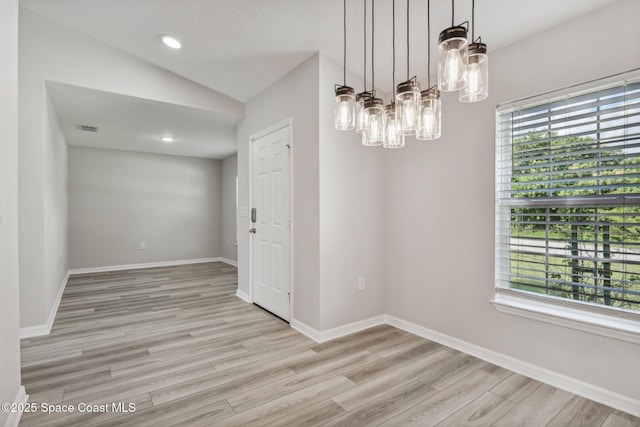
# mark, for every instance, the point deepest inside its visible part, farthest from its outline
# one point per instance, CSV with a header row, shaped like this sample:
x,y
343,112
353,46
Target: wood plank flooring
x,y
180,347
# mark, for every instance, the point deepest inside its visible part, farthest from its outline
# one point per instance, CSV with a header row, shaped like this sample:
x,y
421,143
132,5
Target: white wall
x,y
9,306
352,225
440,207
32,126
229,223
118,199
56,198
280,102
51,52
434,197
338,201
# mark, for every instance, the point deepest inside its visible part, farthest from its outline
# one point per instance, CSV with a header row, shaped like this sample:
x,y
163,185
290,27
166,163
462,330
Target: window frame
x,y
600,320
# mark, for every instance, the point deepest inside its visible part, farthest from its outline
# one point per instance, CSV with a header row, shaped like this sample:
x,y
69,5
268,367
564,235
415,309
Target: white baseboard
x,y
140,266
14,417
243,296
305,329
340,331
572,385
40,330
229,261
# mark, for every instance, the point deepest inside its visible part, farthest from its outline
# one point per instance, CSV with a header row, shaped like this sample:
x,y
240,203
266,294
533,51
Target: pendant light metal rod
x,y
344,39
428,44
473,20
453,12
373,35
365,45
393,38
407,39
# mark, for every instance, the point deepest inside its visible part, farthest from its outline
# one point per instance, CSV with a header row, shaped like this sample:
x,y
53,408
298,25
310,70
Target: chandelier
x,y
462,67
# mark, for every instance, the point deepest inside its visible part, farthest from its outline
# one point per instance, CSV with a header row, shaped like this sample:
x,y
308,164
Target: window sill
x,y
623,326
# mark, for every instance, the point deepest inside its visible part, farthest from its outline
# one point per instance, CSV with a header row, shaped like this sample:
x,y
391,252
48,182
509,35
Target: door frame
x,y
271,129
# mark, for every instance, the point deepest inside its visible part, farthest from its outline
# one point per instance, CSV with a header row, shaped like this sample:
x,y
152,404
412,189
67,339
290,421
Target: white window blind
x,y
568,197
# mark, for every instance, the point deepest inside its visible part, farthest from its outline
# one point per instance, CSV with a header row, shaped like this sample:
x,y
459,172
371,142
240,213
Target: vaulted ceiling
x,y
241,47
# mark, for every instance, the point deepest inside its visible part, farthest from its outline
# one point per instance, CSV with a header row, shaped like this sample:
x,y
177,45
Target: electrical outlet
x,y
142,246
361,283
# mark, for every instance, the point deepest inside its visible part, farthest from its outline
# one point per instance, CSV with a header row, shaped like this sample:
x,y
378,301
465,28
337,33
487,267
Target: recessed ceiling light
x,y
167,139
171,42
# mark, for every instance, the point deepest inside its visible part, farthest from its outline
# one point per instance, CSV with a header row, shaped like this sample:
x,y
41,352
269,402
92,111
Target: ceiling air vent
x,y
87,128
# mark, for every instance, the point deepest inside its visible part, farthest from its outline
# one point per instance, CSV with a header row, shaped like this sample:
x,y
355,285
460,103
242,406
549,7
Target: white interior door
x,y
270,231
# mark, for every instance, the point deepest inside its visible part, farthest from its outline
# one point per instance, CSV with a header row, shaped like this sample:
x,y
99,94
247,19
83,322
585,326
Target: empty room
x,y
320,213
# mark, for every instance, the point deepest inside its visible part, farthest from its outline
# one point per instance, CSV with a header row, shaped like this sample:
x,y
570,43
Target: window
x,y
568,200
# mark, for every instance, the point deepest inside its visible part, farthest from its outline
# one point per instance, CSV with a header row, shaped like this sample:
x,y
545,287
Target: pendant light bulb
x,y
430,126
344,110
452,57
362,117
393,136
373,134
408,106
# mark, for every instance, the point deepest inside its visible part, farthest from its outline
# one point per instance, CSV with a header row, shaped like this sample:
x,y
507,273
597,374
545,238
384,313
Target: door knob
x,y
252,230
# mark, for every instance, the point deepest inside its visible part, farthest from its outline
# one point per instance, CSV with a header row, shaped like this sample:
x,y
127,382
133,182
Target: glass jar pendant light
x,y
452,47
393,135
477,87
451,61
430,115
430,123
462,66
344,113
361,117
373,134
408,105
408,97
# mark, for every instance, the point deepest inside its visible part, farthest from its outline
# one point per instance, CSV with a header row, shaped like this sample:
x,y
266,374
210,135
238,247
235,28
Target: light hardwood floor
x,y
178,343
